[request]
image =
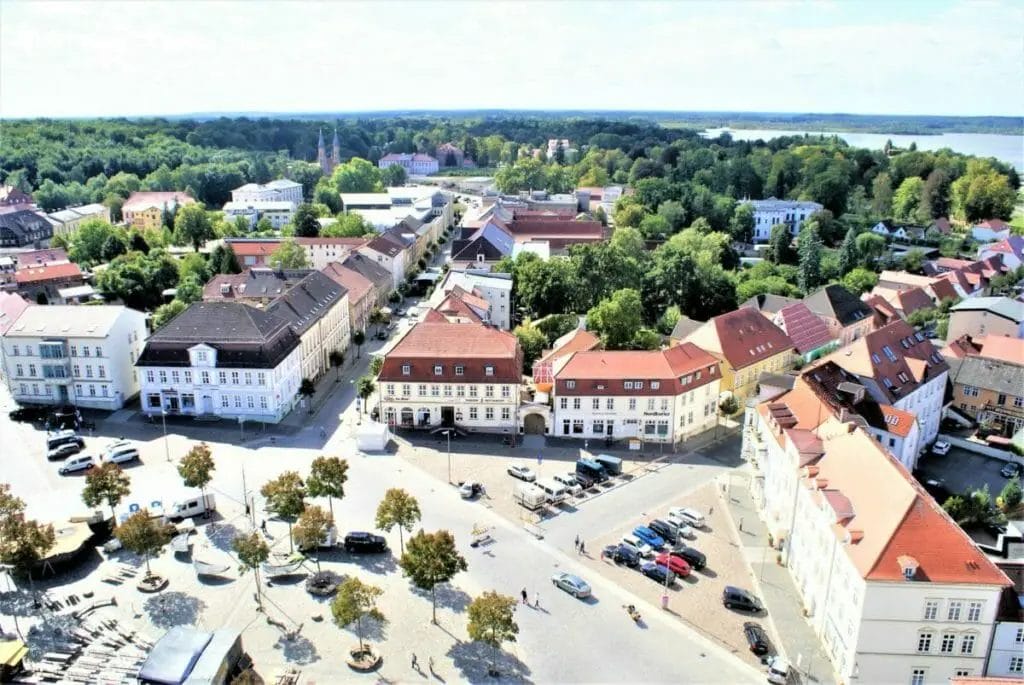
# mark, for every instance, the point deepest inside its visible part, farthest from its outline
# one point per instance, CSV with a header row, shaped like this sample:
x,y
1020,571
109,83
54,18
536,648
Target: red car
x,y
674,564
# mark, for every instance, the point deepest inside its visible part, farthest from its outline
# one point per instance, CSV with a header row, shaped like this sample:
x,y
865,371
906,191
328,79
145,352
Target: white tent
x,y
372,437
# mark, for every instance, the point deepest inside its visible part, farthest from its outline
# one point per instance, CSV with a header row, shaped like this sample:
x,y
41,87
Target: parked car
x,y
574,585
737,598
358,542
757,638
76,463
623,554
682,526
649,536
778,670
673,563
666,529
585,481
569,482
523,473
29,413
941,448
63,437
695,558
642,548
1011,470
65,417
121,454
691,517
63,451
470,489
658,573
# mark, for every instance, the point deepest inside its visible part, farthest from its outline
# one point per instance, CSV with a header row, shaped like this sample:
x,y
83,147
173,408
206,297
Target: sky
x,y
148,57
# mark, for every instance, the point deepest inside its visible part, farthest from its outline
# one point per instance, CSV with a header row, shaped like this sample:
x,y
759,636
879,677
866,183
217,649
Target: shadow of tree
x,y
373,630
380,564
51,635
170,609
17,603
221,535
474,659
297,650
447,596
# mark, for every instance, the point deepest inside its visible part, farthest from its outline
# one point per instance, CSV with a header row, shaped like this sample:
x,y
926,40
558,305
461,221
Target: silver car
x,y
574,585
78,463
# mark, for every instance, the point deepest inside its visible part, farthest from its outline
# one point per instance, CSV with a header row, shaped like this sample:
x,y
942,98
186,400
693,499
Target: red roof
x,y
357,285
897,421
454,307
144,200
253,248
677,370
913,300
577,340
351,242
38,257
47,272
944,290
11,307
994,224
884,312
807,331
469,345
747,337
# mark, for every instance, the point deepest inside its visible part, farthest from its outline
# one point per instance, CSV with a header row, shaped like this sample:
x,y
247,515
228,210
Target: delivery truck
x,y
530,496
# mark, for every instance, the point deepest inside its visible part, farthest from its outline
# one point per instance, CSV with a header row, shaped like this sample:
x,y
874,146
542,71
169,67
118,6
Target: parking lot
x,y
961,470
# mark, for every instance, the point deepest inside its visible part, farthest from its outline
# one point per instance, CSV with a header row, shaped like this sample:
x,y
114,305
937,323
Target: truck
x,y
613,465
530,496
191,505
592,469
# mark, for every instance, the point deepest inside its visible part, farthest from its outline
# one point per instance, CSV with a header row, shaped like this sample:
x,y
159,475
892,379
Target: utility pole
x,y
163,420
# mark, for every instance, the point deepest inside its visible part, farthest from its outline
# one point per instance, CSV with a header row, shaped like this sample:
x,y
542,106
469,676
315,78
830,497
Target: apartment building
x,y
68,220
789,213
65,354
494,288
988,385
415,164
317,309
280,190
278,212
146,209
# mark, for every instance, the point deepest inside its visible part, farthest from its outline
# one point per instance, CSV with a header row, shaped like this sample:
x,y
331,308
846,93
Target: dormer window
x,y
438,370
488,370
570,385
655,385
406,369
460,370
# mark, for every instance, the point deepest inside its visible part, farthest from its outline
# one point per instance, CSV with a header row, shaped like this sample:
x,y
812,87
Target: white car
x,y
120,454
642,548
523,473
470,489
691,517
569,481
76,463
682,525
941,448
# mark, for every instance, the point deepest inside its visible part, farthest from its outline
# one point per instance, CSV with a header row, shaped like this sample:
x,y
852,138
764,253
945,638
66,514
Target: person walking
x,y
263,526
415,662
583,550
430,665
536,600
576,545
524,596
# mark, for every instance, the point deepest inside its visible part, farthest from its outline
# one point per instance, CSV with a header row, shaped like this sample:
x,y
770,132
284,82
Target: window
x,y
570,385
435,390
24,389
92,390
506,392
262,377
650,404
447,391
563,402
954,611
85,350
506,413
74,350
967,644
1018,402
1001,400
632,404
406,369
488,370
472,413
18,370
438,370
163,377
639,385
948,640
488,391
248,377
924,642
1019,638
917,676
421,390
664,403
577,426
263,401
609,404
175,376
961,672
201,356
1016,664
472,391
974,612
655,385
489,413
628,385
188,375
662,428
575,403
460,391
149,375
250,401
596,403
205,377
238,401
32,370
970,391
406,390
234,378
460,370
222,377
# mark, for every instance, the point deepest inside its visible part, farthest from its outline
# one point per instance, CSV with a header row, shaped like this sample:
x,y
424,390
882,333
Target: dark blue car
x,y
623,554
648,536
658,573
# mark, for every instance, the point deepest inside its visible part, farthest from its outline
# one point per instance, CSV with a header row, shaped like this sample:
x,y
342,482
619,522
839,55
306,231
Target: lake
x,y
1005,148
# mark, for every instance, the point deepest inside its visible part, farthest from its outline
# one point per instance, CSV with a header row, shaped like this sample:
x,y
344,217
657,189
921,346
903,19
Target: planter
x,y
151,584
363,660
323,584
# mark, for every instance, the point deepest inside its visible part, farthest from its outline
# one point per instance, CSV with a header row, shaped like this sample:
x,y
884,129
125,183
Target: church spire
x,y
321,155
336,149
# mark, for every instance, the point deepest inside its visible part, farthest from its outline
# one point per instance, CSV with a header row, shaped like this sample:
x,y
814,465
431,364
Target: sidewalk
x,y
775,587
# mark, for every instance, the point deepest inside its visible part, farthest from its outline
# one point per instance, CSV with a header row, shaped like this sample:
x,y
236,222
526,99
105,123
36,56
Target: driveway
x,y
962,470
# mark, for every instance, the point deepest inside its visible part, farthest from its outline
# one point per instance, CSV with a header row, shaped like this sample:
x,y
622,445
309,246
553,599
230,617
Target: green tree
x,y
223,260
192,225
143,535
668,319
860,280
307,388
655,227
780,246
106,483
349,225
628,214
326,194
311,530
364,388
252,551
285,497
675,214
305,221
741,225
492,621
113,247
166,312
26,542
88,242
355,602
935,195
870,246
189,290
1010,495
913,260
337,359
982,193
432,559
617,319
533,342
289,255
525,174
398,508
327,477
139,279
357,176
881,195
393,175
906,203
809,250
376,364
196,467
848,253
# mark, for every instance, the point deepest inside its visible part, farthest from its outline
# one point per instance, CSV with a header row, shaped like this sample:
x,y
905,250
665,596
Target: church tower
x,y
335,151
321,155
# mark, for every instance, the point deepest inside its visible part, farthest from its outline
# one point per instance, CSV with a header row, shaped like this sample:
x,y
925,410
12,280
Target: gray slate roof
x,y
307,301
836,302
991,374
1000,306
684,327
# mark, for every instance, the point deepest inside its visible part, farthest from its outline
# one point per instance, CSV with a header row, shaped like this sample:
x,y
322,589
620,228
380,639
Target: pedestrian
x,y
741,524
263,526
524,596
536,600
582,548
430,665
576,545
711,510
415,662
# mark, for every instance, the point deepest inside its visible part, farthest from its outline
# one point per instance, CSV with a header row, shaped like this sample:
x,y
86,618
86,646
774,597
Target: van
x,y
120,454
569,482
63,437
613,465
530,496
591,468
687,515
778,670
200,504
553,490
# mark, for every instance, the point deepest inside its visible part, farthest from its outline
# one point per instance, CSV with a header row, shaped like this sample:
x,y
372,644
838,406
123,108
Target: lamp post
x,y
448,435
163,420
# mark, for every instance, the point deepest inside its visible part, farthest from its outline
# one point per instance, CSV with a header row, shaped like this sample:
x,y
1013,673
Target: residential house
x,y
223,359
894,589
21,225
360,293
990,230
899,367
415,164
443,374
809,334
495,288
938,229
390,253
485,245
747,344
11,196
373,272
317,309
82,356
988,385
683,328
320,251
459,304
846,316
769,304
281,190
980,316
68,220
884,312
904,302
660,396
278,212
42,283
1010,249
576,340
896,231
145,210
257,286
789,213
11,307
1005,663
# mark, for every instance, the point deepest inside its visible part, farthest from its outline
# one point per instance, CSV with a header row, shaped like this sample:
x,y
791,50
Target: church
x,y
327,164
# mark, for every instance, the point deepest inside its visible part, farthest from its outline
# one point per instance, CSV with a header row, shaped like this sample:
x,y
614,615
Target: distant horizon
x,y
115,58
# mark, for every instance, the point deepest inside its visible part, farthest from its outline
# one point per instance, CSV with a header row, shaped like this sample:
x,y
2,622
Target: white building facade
x,y
789,213
1006,657
281,190
277,212
414,164
82,356
494,287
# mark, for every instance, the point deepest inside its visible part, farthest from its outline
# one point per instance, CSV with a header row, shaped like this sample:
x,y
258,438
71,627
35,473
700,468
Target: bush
x,y
1011,494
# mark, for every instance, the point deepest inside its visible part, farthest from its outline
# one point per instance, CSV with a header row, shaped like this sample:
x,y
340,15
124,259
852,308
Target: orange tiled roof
x,y
46,272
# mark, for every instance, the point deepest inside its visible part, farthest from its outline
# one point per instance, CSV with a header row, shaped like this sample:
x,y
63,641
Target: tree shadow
x,y
52,634
474,659
297,650
447,596
18,603
381,564
373,630
222,535
170,609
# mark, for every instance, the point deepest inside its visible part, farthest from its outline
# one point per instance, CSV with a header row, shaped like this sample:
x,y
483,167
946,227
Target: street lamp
x,y
163,420
448,435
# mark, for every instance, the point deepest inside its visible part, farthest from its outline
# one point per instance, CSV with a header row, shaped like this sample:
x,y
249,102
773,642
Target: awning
x,y
12,652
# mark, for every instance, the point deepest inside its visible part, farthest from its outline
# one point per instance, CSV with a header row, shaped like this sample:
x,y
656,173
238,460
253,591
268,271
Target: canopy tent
x,y
372,437
174,656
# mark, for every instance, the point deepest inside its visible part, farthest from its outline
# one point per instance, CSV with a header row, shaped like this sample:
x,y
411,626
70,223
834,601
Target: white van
x,y
120,454
690,516
192,506
530,496
569,482
553,490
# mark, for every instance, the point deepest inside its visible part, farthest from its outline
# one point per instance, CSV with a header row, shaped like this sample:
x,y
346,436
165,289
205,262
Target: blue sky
x,y
150,57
